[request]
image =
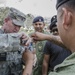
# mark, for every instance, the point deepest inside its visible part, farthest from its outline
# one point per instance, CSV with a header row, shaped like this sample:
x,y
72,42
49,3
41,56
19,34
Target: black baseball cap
x,y
53,22
60,2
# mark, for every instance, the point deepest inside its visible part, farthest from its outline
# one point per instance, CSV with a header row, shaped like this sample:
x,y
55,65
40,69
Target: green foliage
x,y
3,12
28,22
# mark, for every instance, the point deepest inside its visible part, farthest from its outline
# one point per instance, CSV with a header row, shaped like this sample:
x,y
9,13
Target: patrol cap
x,y
53,22
38,19
18,18
60,2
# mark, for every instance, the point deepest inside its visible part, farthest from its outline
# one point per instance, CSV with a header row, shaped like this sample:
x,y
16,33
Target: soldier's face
x,y
60,25
66,26
11,28
54,31
38,26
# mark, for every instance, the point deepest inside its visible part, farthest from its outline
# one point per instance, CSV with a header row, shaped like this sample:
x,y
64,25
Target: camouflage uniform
x,y
11,61
10,49
39,53
67,67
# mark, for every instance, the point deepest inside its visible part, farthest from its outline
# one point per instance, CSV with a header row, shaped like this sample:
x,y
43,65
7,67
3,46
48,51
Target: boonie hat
x,y
17,17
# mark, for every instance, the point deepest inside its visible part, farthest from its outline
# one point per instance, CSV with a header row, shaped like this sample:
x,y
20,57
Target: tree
x,y
28,22
3,12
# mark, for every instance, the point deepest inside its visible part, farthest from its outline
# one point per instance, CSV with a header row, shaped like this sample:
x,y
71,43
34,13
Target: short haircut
x,y
70,4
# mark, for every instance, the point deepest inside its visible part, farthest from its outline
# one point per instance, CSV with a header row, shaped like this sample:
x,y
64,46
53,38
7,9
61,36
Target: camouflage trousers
x,y
37,70
10,69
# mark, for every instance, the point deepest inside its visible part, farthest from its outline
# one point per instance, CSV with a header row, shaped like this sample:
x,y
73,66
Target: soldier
x,y
66,28
38,24
10,48
53,54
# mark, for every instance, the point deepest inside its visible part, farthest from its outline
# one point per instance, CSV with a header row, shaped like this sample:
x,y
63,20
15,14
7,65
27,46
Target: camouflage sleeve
x,y
9,42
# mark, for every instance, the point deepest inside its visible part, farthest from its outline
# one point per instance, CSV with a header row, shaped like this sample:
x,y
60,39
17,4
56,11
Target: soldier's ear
x,y
67,18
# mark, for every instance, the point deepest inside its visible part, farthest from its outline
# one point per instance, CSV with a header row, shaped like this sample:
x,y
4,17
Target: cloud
x,y
2,1
35,7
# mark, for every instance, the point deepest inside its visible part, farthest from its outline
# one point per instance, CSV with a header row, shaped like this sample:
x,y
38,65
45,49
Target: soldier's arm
x,y
45,64
37,36
28,59
55,39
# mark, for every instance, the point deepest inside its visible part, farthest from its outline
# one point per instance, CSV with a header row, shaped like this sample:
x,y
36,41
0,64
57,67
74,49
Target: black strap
x,y
3,56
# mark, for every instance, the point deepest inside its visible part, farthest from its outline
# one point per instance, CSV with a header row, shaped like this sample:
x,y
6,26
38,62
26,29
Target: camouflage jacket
x,y
10,54
39,46
67,67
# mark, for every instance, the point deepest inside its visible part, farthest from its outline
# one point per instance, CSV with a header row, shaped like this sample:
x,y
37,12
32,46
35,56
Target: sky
x,y
45,8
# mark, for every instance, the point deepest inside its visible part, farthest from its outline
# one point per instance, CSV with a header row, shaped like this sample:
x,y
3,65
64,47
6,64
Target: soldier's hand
x,y
23,38
37,36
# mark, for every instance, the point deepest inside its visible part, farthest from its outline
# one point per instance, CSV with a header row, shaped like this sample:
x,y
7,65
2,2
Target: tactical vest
x,y
10,62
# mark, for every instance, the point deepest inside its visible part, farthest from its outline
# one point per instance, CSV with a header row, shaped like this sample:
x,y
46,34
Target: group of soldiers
x,y
66,29
15,52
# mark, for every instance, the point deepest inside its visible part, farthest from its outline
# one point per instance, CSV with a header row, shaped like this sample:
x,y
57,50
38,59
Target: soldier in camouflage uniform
x,y
10,48
38,24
